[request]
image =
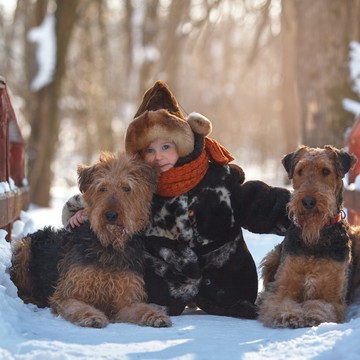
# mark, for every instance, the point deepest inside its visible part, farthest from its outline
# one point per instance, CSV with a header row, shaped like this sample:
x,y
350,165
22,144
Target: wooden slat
x,y
11,203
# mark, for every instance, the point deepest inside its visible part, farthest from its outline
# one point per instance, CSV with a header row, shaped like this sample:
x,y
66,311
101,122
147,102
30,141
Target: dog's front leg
x,y
319,311
142,314
80,313
278,312
270,264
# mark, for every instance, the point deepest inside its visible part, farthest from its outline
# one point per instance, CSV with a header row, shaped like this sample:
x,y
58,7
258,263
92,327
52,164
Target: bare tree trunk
x,y
142,30
173,44
290,109
354,16
150,33
44,118
106,138
322,74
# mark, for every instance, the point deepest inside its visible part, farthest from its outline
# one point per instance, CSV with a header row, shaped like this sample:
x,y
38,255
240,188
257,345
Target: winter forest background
x,y
269,74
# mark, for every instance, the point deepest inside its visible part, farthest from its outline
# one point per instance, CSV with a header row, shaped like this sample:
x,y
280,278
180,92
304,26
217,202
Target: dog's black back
x,y
53,251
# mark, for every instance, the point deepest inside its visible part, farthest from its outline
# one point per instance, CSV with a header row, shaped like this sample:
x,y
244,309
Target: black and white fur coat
x,y
196,252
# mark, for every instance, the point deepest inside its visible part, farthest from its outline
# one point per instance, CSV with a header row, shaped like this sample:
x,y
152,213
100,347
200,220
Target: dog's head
x,y
316,175
118,190
342,160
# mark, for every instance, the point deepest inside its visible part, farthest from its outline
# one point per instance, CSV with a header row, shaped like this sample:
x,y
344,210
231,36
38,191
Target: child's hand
x,y
77,219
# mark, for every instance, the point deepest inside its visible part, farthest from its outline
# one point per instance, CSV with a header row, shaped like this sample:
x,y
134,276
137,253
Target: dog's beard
x,y
119,235
116,236
312,220
311,228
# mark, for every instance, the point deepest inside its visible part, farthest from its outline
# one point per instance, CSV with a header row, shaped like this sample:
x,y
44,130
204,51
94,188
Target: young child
x,y
196,252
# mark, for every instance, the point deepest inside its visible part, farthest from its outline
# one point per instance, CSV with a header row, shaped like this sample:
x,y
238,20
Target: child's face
x,y
163,153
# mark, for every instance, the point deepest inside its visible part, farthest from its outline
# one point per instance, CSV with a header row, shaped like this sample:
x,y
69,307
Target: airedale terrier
x,y
307,278
93,275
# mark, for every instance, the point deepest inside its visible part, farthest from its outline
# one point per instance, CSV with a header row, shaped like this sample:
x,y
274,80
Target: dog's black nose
x,y
308,202
111,215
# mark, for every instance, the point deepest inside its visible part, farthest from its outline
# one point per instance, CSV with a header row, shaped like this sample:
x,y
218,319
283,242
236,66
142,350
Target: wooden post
x,y
12,163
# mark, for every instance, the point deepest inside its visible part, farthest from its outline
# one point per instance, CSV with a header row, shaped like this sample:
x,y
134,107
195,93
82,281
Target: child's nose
x,y
158,155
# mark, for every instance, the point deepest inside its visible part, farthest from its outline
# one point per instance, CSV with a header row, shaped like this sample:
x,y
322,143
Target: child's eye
x,y
166,147
149,151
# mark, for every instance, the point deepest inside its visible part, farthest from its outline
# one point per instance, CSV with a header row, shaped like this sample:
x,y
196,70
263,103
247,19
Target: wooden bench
x,y
12,164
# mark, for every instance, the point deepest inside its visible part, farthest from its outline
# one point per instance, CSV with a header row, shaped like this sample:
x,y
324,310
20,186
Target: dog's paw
x,y
95,321
318,311
292,321
156,319
162,321
312,321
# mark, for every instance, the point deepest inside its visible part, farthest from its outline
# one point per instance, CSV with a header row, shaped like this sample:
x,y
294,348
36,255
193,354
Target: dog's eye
x,y
126,188
325,171
299,172
102,189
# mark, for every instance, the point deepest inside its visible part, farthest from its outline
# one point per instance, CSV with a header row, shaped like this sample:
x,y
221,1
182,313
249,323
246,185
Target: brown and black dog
x,y
93,274
309,276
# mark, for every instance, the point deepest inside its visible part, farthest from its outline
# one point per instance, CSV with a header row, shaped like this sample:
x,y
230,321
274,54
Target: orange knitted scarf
x,y
179,180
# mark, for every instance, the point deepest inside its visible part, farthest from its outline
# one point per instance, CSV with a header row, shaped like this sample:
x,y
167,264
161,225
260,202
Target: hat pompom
x,y
199,123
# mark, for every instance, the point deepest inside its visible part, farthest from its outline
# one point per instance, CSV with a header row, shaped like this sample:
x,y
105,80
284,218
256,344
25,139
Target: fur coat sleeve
x,y
263,207
71,207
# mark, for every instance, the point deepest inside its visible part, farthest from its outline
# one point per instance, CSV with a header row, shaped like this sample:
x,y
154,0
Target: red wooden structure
x,y
352,197
12,163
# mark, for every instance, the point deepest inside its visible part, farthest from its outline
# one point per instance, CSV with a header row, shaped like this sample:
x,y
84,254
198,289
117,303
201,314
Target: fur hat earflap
x,y
159,124
199,123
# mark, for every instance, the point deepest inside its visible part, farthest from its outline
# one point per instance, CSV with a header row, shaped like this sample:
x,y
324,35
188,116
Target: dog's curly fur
x,y
308,277
93,274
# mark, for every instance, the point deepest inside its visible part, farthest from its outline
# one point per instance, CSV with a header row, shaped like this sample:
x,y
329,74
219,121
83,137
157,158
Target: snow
x,y
27,332
4,187
7,186
351,106
44,37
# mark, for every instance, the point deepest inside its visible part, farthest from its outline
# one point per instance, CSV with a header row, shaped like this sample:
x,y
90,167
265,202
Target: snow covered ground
x,y
27,332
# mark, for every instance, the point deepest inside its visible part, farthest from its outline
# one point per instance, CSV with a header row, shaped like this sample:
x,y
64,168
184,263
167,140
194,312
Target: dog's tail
x,y
34,264
20,272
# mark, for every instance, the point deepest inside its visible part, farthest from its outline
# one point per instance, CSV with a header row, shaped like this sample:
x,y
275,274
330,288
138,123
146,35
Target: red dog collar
x,y
330,221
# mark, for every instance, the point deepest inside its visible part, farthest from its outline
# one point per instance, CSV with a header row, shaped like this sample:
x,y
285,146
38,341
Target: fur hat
x,y
159,117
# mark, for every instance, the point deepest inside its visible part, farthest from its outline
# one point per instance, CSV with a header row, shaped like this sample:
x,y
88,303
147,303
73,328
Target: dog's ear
x,y
88,173
345,160
86,176
289,161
